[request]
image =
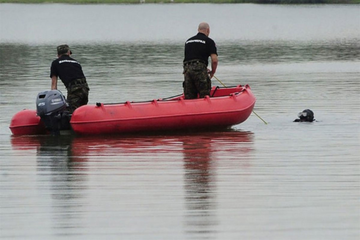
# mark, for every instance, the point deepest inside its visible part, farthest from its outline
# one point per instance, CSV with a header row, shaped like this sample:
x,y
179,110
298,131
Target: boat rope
x,y
219,81
145,101
252,110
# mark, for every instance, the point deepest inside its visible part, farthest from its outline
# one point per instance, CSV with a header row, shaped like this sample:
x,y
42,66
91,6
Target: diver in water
x,y
305,116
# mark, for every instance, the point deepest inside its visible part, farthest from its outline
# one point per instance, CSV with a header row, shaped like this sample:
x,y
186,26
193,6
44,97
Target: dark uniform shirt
x,y
67,69
199,47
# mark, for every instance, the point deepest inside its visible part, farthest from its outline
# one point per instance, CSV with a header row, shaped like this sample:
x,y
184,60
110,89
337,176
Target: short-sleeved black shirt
x,y
199,47
67,69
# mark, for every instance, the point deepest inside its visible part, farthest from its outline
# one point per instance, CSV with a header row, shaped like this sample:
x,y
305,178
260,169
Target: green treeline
x,y
186,1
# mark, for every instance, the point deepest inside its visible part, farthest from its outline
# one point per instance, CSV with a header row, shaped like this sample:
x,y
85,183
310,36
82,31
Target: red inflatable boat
x,y
224,108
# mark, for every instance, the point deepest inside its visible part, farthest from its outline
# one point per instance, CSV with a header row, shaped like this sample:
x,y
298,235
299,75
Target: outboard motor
x,y
51,107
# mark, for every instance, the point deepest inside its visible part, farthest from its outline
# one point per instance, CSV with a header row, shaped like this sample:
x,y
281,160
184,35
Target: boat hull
x,y
26,122
227,107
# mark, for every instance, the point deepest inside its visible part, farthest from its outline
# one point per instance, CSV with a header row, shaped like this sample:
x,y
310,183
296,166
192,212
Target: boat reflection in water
x,y
188,161
61,177
202,157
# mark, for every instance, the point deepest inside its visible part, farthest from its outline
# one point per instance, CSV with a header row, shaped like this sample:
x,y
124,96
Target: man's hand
x,y
211,74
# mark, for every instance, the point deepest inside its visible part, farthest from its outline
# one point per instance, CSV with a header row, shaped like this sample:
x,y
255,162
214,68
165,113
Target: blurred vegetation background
x,y
186,1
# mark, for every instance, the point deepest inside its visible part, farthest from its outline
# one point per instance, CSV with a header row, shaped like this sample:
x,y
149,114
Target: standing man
x,y
70,72
198,49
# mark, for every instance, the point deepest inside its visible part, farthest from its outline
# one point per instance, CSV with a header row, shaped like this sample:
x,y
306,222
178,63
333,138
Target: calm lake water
x,y
281,180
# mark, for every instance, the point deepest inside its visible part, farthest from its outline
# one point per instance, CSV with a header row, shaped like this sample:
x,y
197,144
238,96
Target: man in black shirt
x,y
70,72
198,49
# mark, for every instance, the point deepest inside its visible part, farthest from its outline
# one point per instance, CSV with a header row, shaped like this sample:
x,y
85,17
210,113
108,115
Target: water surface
x,y
281,180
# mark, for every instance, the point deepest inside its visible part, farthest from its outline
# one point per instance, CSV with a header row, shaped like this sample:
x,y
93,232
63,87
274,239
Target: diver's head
x,y
306,116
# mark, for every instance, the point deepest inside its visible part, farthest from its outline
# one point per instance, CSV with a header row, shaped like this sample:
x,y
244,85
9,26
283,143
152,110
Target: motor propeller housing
x,y
51,107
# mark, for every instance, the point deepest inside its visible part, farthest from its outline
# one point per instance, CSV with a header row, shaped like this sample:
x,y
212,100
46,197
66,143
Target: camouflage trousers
x,y
196,80
77,94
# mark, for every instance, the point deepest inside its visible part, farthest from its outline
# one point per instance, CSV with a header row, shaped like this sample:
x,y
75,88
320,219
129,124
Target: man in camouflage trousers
x,y
197,78
70,72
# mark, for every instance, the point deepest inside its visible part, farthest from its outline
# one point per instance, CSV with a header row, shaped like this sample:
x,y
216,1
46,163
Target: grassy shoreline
x,y
186,1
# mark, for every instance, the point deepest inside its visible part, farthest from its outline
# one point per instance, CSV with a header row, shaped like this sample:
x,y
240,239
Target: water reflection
x,y
200,186
62,172
289,51
70,167
201,154
131,60
133,72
